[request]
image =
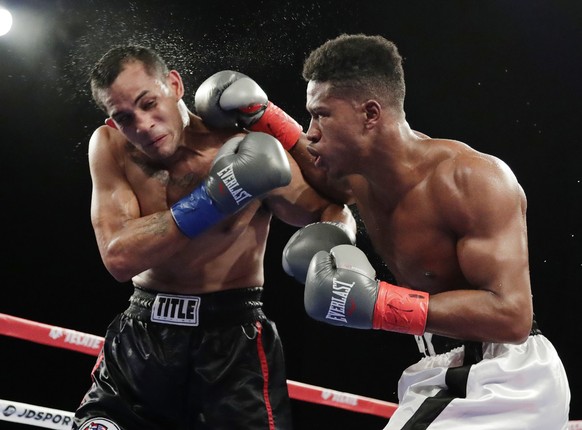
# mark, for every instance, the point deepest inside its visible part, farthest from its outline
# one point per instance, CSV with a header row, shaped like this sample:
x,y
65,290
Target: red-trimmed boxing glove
x,y
341,289
232,99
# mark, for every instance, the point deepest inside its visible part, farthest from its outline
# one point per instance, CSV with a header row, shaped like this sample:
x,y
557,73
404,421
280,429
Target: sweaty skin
x,y
445,218
151,153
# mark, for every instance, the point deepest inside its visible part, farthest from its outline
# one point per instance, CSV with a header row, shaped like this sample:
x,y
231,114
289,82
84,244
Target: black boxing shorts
x,y
177,362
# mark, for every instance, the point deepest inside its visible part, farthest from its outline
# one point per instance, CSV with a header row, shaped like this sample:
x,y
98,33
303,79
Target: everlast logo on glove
x,y
176,310
228,178
337,306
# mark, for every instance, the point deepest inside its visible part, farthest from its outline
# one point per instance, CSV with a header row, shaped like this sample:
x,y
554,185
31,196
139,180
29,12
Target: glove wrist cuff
x,y
196,212
401,310
277,123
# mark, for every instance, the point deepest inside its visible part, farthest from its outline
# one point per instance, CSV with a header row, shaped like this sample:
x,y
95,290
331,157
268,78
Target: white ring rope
x,y
32,415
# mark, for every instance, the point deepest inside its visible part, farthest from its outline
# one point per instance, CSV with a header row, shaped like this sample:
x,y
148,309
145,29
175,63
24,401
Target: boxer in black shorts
x,y
181,207
187,363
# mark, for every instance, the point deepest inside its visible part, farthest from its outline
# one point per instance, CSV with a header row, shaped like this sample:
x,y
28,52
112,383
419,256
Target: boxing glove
x,y
341,289
244,168
308,240
232,99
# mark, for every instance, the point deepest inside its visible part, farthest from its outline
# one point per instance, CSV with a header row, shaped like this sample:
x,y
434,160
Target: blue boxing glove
x,y
244,168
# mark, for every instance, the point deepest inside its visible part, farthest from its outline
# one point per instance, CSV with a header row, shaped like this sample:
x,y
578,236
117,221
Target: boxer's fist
x,y
307,241
232,99
341,289
244,168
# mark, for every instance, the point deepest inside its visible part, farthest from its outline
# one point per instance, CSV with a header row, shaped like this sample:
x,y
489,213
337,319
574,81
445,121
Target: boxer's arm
x,y
487,213
128,243
299,204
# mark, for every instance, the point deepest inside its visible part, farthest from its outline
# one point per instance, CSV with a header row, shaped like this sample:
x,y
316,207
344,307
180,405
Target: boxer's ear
x,y
109,122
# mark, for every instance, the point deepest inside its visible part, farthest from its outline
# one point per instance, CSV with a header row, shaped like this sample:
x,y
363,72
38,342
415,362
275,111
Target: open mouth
x,y
316,157
317,161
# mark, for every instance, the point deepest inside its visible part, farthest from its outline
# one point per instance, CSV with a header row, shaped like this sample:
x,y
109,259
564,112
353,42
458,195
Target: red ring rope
x,y
90,344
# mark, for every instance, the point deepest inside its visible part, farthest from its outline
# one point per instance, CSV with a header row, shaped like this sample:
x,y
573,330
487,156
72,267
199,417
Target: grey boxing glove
x,y
307,241
244,168
341,289
231,99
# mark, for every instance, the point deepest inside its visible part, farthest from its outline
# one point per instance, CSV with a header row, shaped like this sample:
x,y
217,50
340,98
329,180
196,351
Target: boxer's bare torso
x,y
153,152
230,253
417,230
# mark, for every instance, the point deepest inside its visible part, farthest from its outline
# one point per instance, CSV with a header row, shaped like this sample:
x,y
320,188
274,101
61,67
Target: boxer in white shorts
x,y
449,223
513,386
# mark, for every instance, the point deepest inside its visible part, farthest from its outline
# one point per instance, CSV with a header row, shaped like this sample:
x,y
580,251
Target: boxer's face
x,y
145,109
334,129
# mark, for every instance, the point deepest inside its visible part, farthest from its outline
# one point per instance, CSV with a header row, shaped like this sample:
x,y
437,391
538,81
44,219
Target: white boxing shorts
x,y
513,387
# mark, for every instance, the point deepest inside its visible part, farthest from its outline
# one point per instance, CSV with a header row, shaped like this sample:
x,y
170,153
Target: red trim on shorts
x,y
99,360
265,372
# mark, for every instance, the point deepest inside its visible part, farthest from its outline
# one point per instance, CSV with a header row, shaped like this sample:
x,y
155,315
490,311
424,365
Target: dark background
x,y
502,76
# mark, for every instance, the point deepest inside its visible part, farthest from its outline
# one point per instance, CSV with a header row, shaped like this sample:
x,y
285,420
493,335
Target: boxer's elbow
x,y
118,263
518,324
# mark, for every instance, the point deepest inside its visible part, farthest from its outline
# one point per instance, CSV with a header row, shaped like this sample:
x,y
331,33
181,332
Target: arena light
x,y
5,21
